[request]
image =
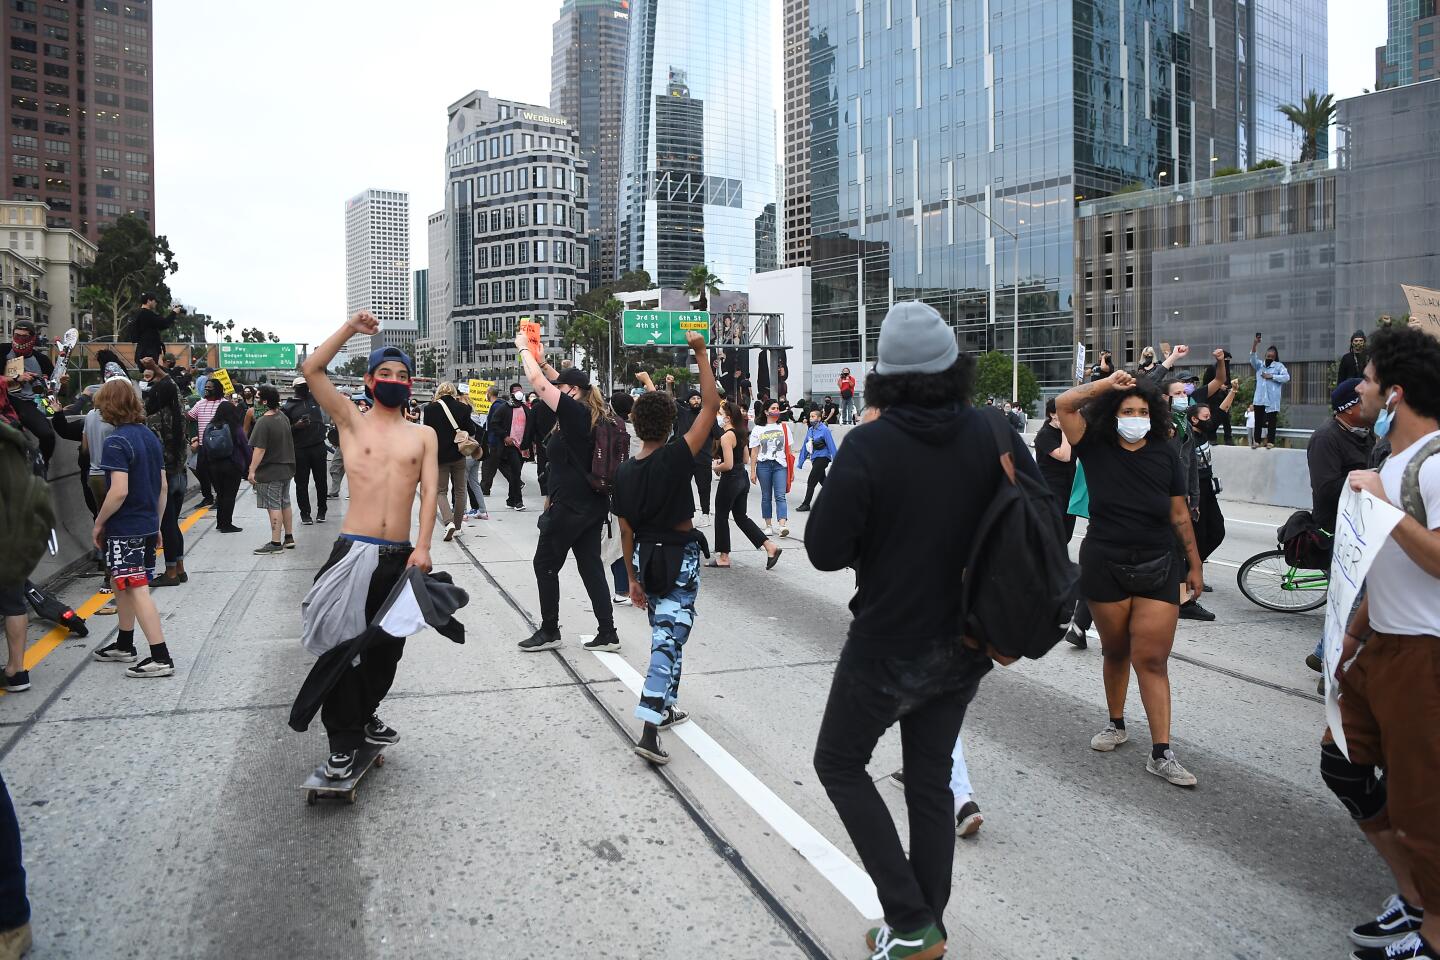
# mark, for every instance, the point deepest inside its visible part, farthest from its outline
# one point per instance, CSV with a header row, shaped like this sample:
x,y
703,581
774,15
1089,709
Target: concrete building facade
x,y
377,268
78,111
40,270
795,202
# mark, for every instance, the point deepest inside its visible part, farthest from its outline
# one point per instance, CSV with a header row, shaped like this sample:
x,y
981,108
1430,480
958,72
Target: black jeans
x,y
1266,421
33,419
818,466
14,907
732,498
704,475
927,695
562,531
202,474
170,535
310,462
507,461
226,477
1210,530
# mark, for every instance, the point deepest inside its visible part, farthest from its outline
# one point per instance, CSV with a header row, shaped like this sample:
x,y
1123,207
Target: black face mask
x,y
302,391
212,394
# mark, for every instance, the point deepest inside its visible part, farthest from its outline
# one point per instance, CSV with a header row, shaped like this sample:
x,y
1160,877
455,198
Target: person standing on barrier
x,y
1270,377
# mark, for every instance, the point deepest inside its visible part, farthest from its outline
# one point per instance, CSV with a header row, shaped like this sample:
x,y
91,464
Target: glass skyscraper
x,y
698,149
1016,109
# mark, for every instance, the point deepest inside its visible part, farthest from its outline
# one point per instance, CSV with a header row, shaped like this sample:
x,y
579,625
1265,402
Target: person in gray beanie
x,y
903,500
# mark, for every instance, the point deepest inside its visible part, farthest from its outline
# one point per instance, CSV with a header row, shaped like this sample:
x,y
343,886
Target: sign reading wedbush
x,y
259,356
662,328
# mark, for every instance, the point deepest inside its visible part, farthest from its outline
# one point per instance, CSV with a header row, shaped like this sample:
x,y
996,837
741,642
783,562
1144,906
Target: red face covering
x,y
23,343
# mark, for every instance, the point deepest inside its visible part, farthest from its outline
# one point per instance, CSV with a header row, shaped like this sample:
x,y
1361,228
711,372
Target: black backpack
x,y
1020,585
612,448
26,511
1305,545
218,442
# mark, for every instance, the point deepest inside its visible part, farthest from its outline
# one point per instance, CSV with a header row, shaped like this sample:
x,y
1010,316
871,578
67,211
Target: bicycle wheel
x,y
1268,581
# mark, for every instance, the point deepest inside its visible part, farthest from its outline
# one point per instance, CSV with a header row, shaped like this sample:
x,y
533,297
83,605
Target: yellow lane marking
x,y
46,645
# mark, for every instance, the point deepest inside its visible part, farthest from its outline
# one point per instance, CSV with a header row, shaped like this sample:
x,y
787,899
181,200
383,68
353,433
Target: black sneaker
x,y
897,779
674,716
1314,663
803,508
340,765
20,680
1208,589
541,639
649,748
115,653
377,732
306,521
289,543
269,548
606,640
968,820
150,667
1193,611
1074,635
320,518
1395,920
1408,947
208,502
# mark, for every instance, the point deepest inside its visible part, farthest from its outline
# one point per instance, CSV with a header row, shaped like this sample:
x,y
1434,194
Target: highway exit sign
x,y
662,328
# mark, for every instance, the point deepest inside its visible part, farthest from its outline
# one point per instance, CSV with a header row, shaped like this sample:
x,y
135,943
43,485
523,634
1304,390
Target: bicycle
x,y
1269,580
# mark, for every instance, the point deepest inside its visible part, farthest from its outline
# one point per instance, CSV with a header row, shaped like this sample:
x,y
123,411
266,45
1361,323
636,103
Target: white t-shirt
x,y
768,440
1404,599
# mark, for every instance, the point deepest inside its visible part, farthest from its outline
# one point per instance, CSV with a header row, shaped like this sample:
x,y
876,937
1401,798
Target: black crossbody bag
x,y
1141,578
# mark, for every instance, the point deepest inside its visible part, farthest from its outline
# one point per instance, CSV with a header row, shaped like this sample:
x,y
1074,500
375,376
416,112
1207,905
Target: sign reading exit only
x,y
662,328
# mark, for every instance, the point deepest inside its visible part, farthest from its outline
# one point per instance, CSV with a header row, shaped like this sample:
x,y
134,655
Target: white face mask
x,y
1133,429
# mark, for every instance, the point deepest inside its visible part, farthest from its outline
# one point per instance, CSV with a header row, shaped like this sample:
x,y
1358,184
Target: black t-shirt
x,y
653,494
1059,476
1130,491
570,450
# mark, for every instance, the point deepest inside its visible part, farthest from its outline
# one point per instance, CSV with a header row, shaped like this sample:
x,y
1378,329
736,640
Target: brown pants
x,y
1390,702
452,492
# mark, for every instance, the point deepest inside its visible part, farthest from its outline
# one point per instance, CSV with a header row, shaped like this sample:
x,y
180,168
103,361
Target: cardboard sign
x,y
478,391
1424,308
1361,529
531,329
225,384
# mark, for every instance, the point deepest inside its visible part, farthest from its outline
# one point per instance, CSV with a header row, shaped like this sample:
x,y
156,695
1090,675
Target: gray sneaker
x,y
1169,768
1108,739
269,548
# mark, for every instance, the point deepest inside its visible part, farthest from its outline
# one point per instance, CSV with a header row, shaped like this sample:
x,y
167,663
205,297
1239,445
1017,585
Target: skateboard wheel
x,y
380,760
310,798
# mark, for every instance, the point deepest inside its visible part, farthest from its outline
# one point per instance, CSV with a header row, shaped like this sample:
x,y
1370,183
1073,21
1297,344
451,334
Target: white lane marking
x,y
1224,563
1254,523
853,883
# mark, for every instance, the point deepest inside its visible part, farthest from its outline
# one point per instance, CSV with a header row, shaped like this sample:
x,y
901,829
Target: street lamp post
x,y
1015,319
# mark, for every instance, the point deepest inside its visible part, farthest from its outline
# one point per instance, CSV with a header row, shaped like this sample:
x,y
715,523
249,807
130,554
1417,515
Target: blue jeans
x,y
14,908
772,483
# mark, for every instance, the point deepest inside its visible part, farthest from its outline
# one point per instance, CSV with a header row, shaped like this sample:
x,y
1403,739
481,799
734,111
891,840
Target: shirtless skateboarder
x,y
386,457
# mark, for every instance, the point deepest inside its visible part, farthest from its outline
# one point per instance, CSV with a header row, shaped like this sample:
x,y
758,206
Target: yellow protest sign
x,y
479,396
224,377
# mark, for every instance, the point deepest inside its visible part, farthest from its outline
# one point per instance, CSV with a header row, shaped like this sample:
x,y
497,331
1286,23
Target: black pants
x,y
354,699
562,531
817,477
732,498
621,575
226,477
170,535
1083,619
202,475
1210,530
1266,421
310,462
33,419
507,461
14,906
927,696
542,469
704,476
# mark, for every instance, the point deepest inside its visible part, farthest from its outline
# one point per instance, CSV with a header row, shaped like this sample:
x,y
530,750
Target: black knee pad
x,y
1358,788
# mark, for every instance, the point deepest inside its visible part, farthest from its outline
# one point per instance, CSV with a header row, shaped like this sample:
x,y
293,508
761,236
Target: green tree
x,y
1226,172
993,376
1270,163
131,260
354,367
427,364
633,280
1312,118
700,284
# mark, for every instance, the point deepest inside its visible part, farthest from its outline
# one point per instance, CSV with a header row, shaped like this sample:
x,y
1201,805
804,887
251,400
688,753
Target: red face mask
x,y
23,343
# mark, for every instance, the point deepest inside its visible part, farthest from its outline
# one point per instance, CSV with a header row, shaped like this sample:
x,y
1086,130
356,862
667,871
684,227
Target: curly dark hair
x,y
1101,411
1409,358
269,396
622,403
951,386
653,416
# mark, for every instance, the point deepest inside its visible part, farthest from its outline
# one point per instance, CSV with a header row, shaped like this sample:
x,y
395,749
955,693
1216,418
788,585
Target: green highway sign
x,y
259,356
662,328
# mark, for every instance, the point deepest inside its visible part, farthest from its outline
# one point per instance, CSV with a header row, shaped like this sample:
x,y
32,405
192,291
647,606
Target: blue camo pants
x,y
672,617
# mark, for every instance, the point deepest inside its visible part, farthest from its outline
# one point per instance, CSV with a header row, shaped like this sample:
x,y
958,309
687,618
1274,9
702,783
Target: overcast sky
x,y
269,119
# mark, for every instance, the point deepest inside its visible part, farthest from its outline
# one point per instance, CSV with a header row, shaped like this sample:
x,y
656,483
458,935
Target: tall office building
x,y
420,299
697,162
796,171
377,268
1018,110
587,87
1408,55
516,203
78,111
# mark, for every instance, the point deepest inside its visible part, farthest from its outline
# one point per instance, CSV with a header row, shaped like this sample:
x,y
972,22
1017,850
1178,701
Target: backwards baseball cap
x,y
574,377
380,356
1344,396
915,339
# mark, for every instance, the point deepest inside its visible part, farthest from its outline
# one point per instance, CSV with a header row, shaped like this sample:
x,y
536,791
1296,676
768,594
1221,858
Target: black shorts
x,y
12,602
1099,585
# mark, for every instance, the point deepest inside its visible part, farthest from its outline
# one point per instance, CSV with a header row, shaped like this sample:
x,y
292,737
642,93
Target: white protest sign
x,y
1079,363
1363,526
1424,308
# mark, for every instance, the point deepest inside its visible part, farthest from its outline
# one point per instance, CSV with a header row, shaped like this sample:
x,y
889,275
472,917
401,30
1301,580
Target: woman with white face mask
x,y
1130,573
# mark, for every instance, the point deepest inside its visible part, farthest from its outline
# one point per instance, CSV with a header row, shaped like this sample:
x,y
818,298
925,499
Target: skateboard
x,y
66,344
320,787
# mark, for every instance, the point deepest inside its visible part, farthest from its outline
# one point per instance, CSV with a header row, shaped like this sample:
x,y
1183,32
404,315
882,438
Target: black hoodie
x,y
1353,364
901,503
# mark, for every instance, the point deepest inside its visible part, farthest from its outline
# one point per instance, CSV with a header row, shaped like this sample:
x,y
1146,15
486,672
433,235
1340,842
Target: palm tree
x,y
700,284
1312,117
